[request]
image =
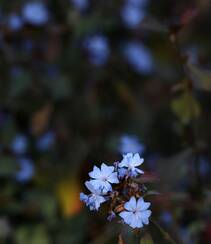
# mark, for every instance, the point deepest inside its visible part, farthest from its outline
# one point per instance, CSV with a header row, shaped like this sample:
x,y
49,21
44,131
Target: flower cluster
x,y
119,186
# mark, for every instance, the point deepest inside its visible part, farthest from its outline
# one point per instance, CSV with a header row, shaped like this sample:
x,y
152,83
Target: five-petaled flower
x,y
103,177
131,161
137,213
94,200
115,185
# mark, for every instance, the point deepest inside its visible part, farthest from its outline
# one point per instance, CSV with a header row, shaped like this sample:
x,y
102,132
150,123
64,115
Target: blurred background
x,y
84,81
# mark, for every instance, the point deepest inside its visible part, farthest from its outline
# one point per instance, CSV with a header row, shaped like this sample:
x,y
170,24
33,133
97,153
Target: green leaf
x,y
19,84
32,235
72,230
82,26
61,88
201,78
8,166
7,133
45,203
186,107
152,24
168,166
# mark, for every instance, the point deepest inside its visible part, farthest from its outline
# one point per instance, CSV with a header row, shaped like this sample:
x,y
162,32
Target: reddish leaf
x,y
188,15
148,177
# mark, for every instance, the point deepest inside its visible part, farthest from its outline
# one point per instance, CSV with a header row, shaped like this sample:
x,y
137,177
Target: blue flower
x,y
45,141
104,177
138,3
14,22
137,214
122,172
131,144
81,5
139,57
166,218
132,16
19,144
35,13
98,49
130,161
26,171
84,198
94,200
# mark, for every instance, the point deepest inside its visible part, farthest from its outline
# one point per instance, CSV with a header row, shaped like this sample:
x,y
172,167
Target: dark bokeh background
x,y
82,81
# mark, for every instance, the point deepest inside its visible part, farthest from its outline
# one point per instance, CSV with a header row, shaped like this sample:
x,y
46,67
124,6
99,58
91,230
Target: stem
x,y
193,124
165,235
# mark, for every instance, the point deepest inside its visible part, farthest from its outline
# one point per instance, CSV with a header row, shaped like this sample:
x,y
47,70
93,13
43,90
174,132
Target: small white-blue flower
x,y
122,172
103,177
130,144
94,200
131,162
137,213
84,198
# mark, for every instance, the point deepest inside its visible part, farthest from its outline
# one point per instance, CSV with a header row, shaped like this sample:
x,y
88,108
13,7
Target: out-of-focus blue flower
x,y
98,49
131,161
137,213
138,3
133,12
152,160
132,15
129,143
185,235
26,171
15,22
139,57
45,141
104,177
81,5
19,144
35,13
204,166
166,218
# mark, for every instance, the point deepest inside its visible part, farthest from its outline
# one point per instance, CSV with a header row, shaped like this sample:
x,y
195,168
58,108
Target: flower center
x,y
135,211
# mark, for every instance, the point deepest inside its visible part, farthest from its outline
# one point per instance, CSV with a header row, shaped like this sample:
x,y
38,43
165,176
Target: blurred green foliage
x,y
72,114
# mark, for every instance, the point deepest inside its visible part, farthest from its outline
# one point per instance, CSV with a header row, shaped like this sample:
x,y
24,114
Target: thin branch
x,y
165,235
